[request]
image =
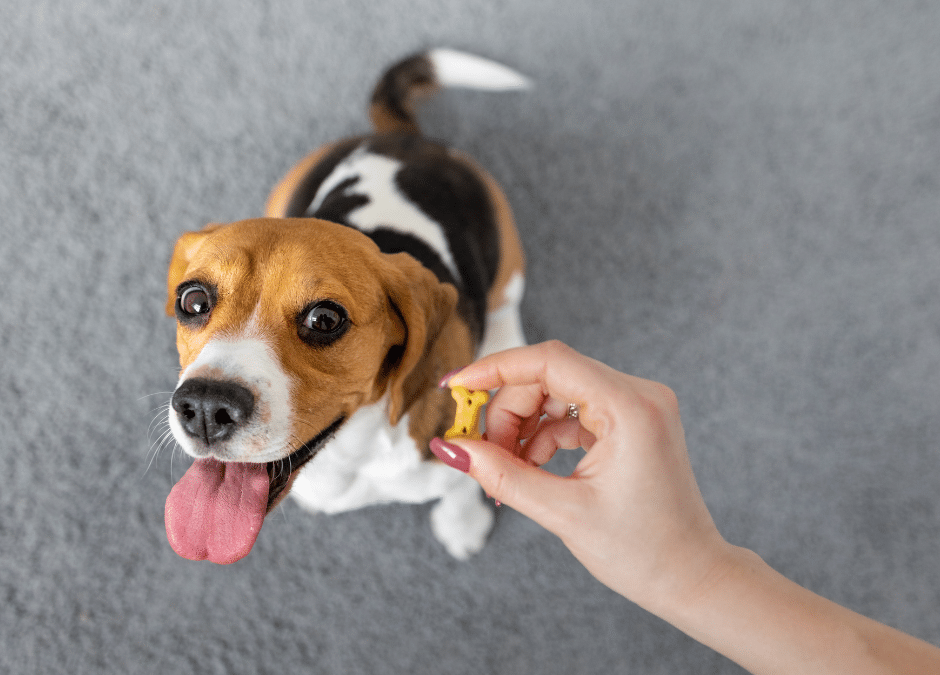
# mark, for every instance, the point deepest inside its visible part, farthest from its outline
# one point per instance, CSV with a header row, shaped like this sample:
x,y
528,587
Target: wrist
x,y
681,596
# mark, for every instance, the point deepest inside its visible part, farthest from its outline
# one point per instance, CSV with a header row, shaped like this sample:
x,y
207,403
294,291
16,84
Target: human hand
x,y
631,512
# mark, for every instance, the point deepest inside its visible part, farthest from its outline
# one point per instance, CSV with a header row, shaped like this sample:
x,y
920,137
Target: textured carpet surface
x,y
738,198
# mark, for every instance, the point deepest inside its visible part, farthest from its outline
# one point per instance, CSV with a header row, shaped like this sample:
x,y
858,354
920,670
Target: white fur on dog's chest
x,y
370,462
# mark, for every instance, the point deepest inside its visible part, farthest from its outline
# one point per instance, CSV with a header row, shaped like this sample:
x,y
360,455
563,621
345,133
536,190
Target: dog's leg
x,y
461,520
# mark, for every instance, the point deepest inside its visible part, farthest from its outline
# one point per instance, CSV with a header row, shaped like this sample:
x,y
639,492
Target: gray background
x,y
737,198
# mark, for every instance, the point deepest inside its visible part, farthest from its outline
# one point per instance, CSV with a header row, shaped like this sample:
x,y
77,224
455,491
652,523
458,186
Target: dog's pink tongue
x,y
216,510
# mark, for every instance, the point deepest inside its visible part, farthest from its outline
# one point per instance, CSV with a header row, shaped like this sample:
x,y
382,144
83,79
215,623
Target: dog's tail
x,y
397,95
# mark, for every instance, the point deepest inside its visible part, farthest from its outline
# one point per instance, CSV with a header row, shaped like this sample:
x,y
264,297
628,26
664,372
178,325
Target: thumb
x,y
534,492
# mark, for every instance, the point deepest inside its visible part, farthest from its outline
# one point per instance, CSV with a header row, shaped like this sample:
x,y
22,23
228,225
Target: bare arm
x,y
769,624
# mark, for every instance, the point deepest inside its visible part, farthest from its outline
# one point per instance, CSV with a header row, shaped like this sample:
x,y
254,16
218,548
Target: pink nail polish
x,y
452,455
444,380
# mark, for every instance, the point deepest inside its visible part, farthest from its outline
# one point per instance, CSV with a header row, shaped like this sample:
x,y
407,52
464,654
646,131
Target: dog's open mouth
x,y
216,509
281,470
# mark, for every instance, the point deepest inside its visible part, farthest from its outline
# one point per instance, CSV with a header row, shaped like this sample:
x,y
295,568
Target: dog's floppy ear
x,y
424,304
183,252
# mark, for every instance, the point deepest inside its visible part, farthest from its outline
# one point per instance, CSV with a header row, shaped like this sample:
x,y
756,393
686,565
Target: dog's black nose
x,y
212,410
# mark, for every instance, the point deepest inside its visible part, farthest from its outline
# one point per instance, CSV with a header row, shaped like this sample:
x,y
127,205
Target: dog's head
x,y
285,329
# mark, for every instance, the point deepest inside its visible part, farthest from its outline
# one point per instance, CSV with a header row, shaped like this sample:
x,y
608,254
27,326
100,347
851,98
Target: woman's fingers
x,y
562,375
540,364
513,414
554,435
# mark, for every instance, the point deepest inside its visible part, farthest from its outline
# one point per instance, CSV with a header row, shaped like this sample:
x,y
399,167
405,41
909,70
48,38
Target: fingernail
x,y
452,455
444,380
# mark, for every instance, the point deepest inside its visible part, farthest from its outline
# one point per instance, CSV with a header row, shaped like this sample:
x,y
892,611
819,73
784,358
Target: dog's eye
x,y
324,317
195,301
322,323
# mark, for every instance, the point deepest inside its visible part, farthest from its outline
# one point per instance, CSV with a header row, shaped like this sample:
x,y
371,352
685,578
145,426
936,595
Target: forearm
x,y
768,624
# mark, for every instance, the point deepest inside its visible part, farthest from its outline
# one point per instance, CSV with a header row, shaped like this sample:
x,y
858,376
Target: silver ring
x,y
573,411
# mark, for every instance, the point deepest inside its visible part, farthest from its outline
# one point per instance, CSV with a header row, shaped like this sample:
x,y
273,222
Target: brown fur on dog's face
x,y
262,275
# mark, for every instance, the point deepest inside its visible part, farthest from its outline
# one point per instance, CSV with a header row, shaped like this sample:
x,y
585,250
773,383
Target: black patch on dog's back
x,y
339,203
450,194
309,184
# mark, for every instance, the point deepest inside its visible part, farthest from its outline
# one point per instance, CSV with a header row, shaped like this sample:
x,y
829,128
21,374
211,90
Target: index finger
x,y
563,374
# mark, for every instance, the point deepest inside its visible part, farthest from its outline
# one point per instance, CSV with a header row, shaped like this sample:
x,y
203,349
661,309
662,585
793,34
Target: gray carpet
x,y
737,198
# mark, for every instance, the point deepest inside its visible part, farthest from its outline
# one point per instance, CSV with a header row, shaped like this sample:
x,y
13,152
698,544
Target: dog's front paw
x,y
461,521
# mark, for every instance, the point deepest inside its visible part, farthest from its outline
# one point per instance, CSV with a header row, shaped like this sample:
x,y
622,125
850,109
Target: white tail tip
x,y
460,69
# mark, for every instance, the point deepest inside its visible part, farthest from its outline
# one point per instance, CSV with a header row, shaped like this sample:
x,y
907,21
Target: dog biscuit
x,y
467,419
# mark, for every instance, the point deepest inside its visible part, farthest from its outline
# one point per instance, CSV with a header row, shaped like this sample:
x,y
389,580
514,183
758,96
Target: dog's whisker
x,y
159,418
156,442
157,425
290,446
299,443
156,393
165,434
158,437
159,445
164,438
178,450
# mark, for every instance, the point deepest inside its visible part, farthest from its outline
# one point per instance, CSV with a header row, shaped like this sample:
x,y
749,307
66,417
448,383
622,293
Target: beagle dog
x,y
312,341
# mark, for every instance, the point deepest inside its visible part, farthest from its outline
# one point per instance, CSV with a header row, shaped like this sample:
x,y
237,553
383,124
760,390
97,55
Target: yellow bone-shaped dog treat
x,y
467,419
